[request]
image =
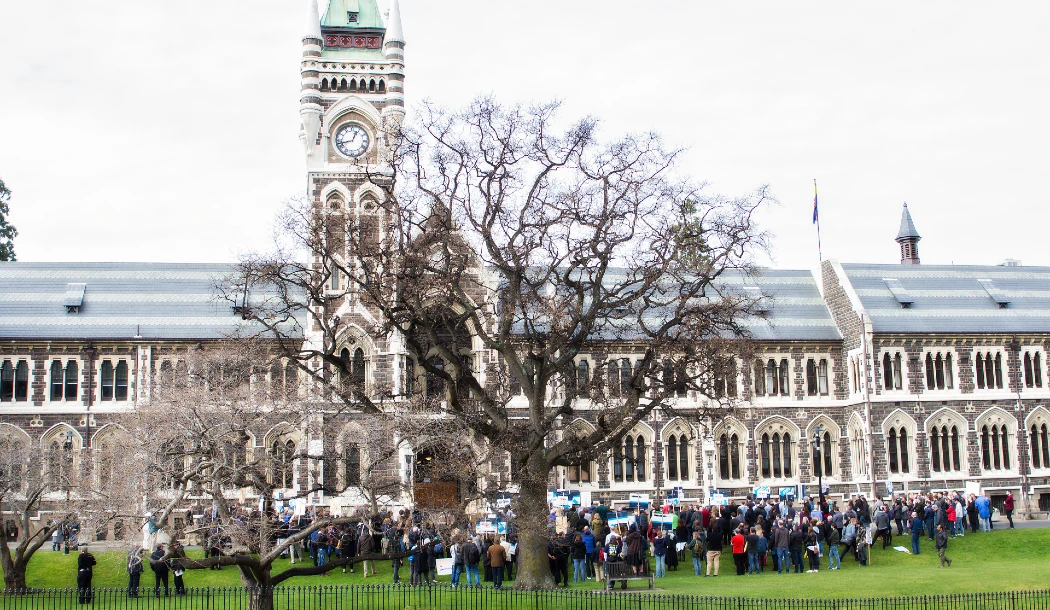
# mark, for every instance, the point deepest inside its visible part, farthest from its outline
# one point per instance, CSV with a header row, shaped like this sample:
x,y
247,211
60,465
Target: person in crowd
x,y
782,540
85,569
57,537
633,542
696,550
752,545
984,510
941,542
714,548
1008,508
579,559
471,557
456,551
613,560
177,571
796,545
160,571
134,569
916,532
971,514
660,552
497,560
738,542
833,538
365,548
591,548
813,547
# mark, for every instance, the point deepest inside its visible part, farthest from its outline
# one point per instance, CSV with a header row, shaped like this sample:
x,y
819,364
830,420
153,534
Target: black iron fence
x,y
392,597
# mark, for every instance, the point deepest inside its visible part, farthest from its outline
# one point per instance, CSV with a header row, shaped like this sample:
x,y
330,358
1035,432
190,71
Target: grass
x,y
1003,560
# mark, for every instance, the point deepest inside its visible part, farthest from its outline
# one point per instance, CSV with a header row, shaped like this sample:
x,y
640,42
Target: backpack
x,y
471,554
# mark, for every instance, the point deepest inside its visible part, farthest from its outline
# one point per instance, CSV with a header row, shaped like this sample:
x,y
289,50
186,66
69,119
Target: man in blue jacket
x,y
984,511
916,532
588,541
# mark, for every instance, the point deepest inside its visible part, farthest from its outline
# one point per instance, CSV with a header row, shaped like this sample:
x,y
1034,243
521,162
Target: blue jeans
x,y
322,556
752,563
915,536
456,571
579,570
782,561
986,524
661,566
834,561
473,578
697,570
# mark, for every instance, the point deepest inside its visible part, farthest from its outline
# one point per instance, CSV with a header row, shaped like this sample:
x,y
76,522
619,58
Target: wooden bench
x,y
620,571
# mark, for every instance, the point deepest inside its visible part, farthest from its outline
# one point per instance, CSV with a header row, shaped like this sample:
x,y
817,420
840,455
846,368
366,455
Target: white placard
x,y
444,566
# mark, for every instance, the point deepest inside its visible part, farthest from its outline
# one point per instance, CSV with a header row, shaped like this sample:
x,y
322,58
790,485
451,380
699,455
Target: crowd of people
x,y
601,543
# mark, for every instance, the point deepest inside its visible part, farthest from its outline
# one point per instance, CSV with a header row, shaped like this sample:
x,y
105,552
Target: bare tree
x,y
199,439
507,246
50,482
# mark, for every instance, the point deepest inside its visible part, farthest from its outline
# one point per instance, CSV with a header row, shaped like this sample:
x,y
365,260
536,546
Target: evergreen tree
x,y
8,233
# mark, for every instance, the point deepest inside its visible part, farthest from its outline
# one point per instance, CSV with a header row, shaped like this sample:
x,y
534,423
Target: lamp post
x,y
818,464
67,447
709,451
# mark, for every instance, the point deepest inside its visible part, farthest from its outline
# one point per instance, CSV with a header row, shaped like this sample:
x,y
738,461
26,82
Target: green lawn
x,y
1003,560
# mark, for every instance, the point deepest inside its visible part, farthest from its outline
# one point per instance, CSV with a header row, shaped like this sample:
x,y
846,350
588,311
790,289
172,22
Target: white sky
x,y
168,131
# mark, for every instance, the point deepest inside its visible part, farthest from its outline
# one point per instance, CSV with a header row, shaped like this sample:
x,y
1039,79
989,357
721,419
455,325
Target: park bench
x,y
620,571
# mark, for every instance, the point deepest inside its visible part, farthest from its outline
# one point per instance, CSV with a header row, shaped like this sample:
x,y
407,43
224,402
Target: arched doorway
x,y
434,486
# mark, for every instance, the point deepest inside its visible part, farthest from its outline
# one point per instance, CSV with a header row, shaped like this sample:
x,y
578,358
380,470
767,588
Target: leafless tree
x,y
195,442
508,244
54,484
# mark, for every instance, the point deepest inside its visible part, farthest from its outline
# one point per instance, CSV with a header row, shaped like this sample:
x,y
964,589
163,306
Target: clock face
x,y
351,140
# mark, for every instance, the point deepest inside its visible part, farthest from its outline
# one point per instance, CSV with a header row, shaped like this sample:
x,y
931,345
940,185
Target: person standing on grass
x,y
752,545
498,559
160,571
589,545
833,538
471,557
782,541
85,569
796,544
696,549
177,571
971,513
579,559
1008,508
134,569
916,532
365,547
942,546
984,510
660,550
882,526
739,544
714,547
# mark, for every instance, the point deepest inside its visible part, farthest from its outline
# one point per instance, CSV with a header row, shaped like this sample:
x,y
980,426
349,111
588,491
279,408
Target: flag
x,y
815,201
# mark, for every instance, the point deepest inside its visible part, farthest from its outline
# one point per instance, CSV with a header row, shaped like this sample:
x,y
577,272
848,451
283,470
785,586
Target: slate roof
x,y
120,300
797,311
947,299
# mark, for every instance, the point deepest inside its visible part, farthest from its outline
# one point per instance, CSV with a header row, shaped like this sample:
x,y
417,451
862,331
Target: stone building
x,y
867,376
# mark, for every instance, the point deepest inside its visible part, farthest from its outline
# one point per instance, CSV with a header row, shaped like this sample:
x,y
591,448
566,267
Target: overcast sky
x,y
168,131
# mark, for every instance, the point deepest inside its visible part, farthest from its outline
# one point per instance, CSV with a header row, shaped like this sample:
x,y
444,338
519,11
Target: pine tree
x,y
8,233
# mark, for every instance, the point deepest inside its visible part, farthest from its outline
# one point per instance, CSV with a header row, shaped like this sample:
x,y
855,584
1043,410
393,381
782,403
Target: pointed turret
x,y
908,238
310,94
394,49
394,31
313,21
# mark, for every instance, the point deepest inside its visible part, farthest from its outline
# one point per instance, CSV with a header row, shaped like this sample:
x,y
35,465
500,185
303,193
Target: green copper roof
x,y
338,14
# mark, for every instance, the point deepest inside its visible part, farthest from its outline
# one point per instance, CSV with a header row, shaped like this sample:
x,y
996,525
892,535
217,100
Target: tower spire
x,y
313,21
908,238
394,31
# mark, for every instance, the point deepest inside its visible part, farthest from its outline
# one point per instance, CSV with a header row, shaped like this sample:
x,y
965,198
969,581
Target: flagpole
x,y
816,219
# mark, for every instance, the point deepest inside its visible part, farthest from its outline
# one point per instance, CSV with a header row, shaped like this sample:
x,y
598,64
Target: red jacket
x,y
1009,503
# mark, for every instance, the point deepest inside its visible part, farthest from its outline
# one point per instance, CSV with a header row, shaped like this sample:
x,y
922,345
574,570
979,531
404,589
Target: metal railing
x,y
444,597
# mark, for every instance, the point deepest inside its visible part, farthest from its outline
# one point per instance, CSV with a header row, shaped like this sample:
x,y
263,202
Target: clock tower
x,y
352,96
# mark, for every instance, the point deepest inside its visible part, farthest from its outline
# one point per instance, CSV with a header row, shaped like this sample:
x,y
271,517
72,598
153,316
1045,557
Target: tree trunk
x,y
259,587
533,566
14,576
